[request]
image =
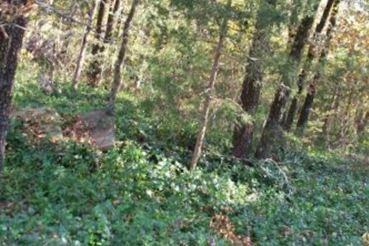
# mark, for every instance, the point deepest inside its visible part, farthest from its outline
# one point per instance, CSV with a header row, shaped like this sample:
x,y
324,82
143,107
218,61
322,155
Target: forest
x,y
184,122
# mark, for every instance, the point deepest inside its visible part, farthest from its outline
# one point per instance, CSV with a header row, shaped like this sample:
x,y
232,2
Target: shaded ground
x,y
137,194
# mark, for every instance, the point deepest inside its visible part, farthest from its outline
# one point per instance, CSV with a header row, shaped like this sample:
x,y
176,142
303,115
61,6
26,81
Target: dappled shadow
x,y
73,107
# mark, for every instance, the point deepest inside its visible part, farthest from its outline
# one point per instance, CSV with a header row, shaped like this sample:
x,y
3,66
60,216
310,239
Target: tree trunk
x,y
252,84
309,60
305,111
308,104
209,93
119,24
121,55
110,22
301,38
11,38
81,56
94,69
293,16
335,102
108,40
272,132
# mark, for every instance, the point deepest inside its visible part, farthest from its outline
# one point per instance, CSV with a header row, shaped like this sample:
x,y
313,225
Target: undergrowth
x,y
141,193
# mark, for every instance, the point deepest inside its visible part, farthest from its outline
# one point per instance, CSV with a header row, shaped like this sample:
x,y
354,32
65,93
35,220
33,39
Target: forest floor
x,y
140,192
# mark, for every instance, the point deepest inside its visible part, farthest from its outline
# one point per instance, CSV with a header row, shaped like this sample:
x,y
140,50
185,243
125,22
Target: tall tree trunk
x,y
335,102
296,7
119,24
108,40
308,103
306,108
117,83
210,92
272,132
309,60
110,22
81,56
301,38
11,39
252,84
94,69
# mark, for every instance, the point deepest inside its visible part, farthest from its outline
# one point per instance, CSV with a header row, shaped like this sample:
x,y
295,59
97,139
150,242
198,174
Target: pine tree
x,y
272,135
252,84
309,99
310,57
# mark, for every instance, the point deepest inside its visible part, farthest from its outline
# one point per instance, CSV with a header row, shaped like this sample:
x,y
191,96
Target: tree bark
x,y
108,39
252,84
94,69
209,94
110,22
301,38
308,104
293,16
309,60
272,133
81,56
305,110
117,83
11,39
335,103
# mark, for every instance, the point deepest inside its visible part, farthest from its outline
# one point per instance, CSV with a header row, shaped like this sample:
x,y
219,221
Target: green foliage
x,y
142,193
